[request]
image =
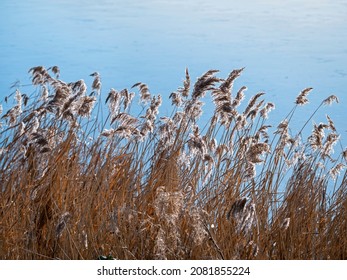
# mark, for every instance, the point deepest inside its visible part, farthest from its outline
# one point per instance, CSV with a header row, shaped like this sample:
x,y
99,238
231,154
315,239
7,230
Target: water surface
x,y
284,45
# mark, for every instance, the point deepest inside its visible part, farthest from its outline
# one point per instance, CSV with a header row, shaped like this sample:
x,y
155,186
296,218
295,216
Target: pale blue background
x,y
284,45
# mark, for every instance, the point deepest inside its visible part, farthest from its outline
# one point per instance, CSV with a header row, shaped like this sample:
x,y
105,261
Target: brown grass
x,y
144,187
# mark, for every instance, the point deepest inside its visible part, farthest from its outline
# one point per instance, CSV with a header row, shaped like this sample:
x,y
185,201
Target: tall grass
x,y
164,187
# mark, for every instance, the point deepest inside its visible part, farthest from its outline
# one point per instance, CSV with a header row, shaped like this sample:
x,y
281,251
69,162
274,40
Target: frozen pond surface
x,y
284,45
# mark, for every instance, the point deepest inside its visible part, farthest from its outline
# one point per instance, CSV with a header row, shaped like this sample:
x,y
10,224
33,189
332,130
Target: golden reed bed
x,y
77,183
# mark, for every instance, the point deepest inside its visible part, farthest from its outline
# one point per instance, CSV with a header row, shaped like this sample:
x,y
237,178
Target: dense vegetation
x,y
76,186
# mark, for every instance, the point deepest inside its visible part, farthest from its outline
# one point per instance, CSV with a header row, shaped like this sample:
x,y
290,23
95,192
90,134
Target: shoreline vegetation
x,y
77,185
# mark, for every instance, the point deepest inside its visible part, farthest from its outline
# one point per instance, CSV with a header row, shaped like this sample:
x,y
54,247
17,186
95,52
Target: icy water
x,y
284,45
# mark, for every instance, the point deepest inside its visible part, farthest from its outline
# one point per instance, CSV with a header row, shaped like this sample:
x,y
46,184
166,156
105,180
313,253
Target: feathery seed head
x,y
226,86
331,123
330,100
64,219
55,70
145,95
335,171
302,97
86,107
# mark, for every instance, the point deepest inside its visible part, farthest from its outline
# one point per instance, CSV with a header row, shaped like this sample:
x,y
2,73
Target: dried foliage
x,y
164,187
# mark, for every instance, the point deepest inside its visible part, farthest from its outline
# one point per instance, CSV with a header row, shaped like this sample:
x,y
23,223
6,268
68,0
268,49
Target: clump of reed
x,y
146,186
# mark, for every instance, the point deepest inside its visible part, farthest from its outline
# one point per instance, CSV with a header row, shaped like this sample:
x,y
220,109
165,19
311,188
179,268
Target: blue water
x,y
284,45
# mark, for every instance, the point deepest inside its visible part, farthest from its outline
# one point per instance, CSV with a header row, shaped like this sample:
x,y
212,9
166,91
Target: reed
x,y
147,186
